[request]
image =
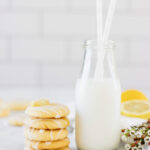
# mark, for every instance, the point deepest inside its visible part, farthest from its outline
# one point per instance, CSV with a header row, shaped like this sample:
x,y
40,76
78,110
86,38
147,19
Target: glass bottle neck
x,y
98,64
93,45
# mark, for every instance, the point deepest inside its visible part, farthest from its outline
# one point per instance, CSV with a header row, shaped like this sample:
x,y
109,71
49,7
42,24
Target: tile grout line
x,y
39,76
9,50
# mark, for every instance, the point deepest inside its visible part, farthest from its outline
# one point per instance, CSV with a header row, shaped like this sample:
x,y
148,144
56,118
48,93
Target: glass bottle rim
x,y
93,44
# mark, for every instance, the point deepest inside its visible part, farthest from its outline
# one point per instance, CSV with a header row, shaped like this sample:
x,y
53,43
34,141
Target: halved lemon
x,y
133,95
136,108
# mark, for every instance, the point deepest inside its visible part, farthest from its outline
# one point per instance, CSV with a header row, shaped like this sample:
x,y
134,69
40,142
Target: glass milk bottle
x,y
98,101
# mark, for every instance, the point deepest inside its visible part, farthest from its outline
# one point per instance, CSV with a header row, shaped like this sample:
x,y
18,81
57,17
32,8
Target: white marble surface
x,y
11,138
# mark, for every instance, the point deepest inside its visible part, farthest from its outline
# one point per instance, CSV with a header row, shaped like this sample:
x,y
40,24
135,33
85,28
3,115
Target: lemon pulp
x,y
136,108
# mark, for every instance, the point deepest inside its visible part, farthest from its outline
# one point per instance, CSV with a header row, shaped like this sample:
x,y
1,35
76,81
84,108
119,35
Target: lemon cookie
x,y
18,105
44,109
4,110
17,120
48,145
65,148
47,123
40,102
45,135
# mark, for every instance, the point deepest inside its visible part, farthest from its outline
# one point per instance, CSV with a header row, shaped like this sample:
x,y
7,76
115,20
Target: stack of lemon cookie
x,y
46,126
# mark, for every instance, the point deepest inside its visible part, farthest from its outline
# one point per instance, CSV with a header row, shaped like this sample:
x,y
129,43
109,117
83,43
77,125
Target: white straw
x,y
103,36
99,21
99,36
109,18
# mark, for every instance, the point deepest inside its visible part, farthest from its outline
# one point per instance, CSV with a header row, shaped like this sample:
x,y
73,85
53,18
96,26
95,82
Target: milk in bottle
x,y
98,102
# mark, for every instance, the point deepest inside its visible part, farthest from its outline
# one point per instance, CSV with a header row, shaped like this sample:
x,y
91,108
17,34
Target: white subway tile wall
x,y
39,4
39,50
76,51
41,41
18,75
3,3
131,25
3,49
14,23
91,4
138,4
62,75
140,52
69,24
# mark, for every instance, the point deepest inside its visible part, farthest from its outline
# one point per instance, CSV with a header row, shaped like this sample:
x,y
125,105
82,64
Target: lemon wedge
x,y
136,108
133,95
